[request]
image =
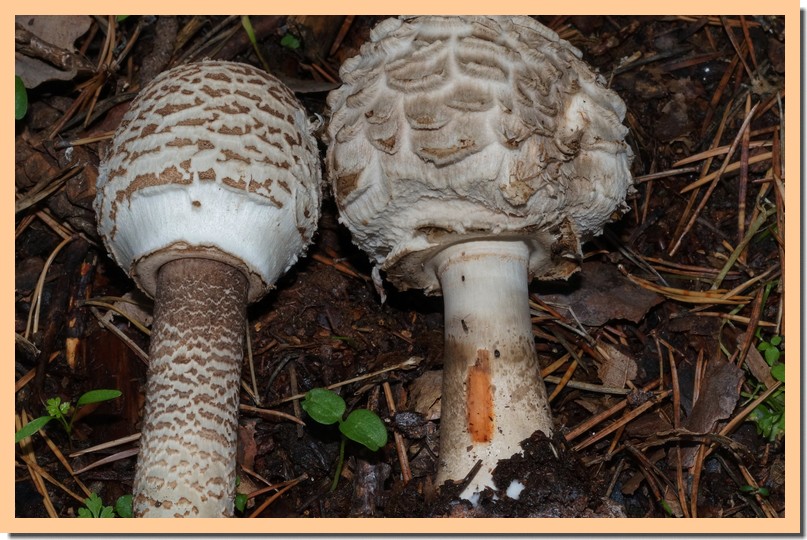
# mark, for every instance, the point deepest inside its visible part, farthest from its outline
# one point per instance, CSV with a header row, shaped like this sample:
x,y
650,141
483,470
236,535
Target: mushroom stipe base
x,y
493,396
186,466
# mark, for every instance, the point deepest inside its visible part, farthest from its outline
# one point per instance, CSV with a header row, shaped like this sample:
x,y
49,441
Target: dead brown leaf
x,y
247,447
756,364
602,294
716,401
424,394
60,32
617,368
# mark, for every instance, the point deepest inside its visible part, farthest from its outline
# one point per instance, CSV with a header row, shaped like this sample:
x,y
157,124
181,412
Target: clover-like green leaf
x,y
772,355
778,372
95,508
290,42
55,408
324,406
365,427
123,506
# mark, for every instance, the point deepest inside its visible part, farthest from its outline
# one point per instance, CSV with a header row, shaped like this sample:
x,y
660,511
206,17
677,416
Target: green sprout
x,y
772,352
123,506
250,30
667,508
241,499
751,490
361,425
94,507
61,411
241,502
20,98
290,41
769,416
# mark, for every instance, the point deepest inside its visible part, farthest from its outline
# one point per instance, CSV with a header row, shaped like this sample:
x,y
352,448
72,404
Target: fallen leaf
x,y
675,119
632,484
617,368
247,447
648,424
716,401
58,30
695,325
424,394
673,503
600,293
757,365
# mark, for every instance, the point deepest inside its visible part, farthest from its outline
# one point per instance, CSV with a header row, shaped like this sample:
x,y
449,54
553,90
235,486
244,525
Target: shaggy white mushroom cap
x,y
214,160
451,129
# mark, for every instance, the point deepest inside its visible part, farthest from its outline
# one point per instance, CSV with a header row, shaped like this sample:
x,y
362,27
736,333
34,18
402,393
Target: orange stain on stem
x,y
480,399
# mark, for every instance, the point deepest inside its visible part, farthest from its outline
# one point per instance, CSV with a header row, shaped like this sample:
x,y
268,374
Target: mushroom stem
x,y
186,466
493,395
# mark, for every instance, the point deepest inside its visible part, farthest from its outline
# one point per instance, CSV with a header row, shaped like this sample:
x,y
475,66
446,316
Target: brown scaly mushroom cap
x,y
209,193
468,155
213,160
449,129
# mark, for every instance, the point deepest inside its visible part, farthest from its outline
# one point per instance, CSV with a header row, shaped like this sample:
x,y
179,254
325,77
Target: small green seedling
x,y
290,41
241,499
241,502
769,416
61,411
20,98
123,506
751,490
248,28
94,507
363,426
772,352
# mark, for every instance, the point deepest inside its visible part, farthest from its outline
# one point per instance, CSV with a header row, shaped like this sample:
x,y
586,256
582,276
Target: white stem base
x,y
493,394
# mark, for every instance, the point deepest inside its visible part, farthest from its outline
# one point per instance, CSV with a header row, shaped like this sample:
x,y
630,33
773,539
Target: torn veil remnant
x,y
469,155
210,192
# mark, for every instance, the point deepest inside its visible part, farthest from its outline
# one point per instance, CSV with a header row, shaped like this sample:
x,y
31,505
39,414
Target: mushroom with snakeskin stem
x,y
468,155
209,193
